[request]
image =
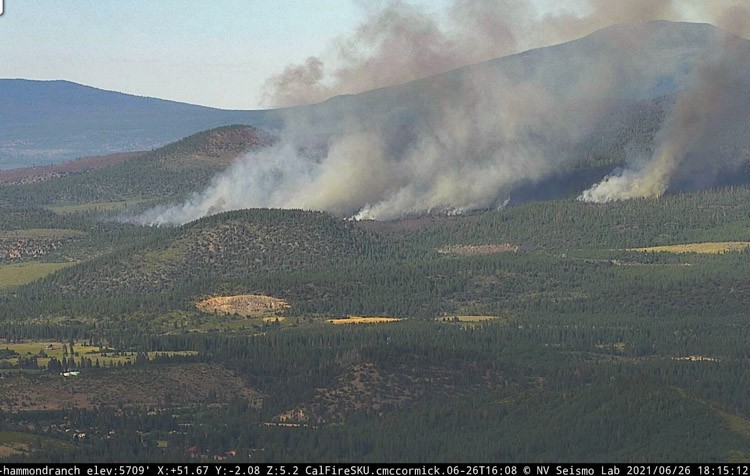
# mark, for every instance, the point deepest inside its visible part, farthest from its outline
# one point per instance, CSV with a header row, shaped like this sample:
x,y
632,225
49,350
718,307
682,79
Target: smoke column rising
x,y
702,110
474,140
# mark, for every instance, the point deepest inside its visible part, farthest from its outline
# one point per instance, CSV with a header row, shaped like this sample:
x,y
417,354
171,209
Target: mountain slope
x,y
49,121
643,62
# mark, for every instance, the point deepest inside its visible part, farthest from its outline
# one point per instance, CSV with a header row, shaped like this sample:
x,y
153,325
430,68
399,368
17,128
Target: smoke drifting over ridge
x,y
475,138
470,150
401,43
687,143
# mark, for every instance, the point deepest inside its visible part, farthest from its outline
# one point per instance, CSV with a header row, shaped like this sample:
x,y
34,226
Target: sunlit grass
x,y
24,273
703,248
46,350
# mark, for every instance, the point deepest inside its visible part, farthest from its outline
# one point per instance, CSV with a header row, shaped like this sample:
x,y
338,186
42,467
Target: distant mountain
x,y
51,121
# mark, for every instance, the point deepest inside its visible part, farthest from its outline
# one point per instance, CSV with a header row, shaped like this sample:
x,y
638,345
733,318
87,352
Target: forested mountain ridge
x,y
77,120
47,172
585,348
167,173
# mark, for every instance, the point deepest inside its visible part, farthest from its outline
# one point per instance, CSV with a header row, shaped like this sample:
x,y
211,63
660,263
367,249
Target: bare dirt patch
x,y
465,250
9,450
245,305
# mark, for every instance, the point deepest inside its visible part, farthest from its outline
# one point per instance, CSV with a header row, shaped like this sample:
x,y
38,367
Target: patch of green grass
x,y
736,423
95,206
15,442
10,437
52,349
24,273
705,248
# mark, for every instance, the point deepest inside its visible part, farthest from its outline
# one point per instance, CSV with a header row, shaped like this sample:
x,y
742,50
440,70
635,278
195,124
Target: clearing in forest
x,y
44,350
364,320
465,250
24,273
245,305
704,248
14,443
468,318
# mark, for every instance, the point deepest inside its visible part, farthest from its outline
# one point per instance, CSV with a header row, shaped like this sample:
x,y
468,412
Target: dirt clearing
x,y
245,305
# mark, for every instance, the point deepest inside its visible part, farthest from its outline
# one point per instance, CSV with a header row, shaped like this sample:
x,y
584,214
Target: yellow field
x,y
23,273
704,248
363,320
479,249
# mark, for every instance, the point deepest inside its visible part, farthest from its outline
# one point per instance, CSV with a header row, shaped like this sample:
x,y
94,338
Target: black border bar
x,y
380,469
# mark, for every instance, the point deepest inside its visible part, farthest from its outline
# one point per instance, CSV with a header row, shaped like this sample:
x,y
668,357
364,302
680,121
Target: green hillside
x,y
221,248
546,330
168,173
588,351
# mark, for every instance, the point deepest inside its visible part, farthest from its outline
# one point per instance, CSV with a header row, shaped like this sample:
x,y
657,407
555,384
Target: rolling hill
x,y
167,173
638,355
222,248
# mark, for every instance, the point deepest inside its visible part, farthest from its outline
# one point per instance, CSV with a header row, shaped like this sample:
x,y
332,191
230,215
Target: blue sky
x,y
210,52
213,52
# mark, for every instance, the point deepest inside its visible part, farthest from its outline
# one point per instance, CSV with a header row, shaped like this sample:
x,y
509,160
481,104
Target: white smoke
x,y
475,139
475,147
264,179
689,143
